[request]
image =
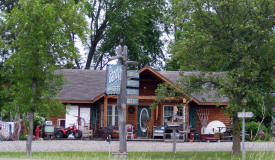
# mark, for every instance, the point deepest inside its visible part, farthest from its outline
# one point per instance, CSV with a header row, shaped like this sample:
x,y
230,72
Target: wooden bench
x,y
208,137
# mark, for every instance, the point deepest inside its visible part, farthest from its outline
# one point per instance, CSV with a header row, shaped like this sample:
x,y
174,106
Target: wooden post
x,y
174,140
105,111
121,99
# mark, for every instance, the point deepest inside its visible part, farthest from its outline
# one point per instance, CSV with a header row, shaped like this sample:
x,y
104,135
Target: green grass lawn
x,y
142,155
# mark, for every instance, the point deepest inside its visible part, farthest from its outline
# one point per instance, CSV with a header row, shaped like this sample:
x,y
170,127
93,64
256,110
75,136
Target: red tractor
x,y
64,133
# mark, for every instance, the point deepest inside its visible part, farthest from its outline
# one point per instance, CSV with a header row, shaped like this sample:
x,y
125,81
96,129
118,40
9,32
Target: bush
x,y
22,137
253,127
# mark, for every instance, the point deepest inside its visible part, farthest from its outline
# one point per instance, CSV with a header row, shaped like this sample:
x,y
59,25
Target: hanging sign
x,y
133,83
113,79
132,92
245,114
133,74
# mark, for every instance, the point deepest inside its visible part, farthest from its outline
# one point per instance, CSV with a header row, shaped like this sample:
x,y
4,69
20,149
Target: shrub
x,y
22,137
253,127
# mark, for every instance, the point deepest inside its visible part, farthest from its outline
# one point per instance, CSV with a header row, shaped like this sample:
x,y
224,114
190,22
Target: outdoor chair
x,y
129,131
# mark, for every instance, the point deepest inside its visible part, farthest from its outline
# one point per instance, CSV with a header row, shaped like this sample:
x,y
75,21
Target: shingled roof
x,y
205,96
81,84
86,85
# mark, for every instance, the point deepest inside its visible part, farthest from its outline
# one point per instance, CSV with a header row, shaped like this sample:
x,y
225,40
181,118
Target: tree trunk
x,y
18,120
236,135
19,129
30,116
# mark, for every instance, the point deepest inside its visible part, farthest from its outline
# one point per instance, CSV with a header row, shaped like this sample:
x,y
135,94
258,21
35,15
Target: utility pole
x,y
121,98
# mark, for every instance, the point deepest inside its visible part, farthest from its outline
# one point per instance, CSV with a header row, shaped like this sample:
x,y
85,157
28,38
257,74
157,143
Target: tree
x,y
137,24
8,5
42,30
235,37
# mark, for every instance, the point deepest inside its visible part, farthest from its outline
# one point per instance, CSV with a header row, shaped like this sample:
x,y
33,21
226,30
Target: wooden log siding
x,y
215,113
132,117
54,119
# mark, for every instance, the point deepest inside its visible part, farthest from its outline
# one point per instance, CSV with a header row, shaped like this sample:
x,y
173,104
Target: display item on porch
x,y
131,110
149,127
215,127
203,117
130,131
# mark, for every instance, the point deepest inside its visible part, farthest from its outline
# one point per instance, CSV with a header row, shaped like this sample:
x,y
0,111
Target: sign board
x,y
133,83
132,101
113,79
133,74
245,114
132,92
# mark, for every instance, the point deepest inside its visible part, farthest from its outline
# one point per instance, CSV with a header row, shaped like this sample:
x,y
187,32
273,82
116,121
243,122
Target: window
x,y
168,113
102,115
112,115
61,123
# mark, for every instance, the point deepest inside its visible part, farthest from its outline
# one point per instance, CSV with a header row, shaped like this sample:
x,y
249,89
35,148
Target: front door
x,y
193,117
95,117
144,113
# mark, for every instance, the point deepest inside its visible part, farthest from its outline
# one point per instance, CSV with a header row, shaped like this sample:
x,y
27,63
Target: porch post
x,y
105,111
153,117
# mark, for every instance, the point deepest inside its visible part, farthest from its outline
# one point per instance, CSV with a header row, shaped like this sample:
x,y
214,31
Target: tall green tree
x,y
135,23
235,37
42,31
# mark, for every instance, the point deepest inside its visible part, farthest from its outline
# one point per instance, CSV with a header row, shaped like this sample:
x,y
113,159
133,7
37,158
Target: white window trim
x,y
183,111
58,122
113,114
164,112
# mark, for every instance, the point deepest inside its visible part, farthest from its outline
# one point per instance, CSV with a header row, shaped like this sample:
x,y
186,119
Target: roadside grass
x,y
259,155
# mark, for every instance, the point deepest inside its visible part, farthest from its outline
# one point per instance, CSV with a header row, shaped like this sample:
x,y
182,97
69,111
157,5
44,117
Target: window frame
x,y
58,123
180,108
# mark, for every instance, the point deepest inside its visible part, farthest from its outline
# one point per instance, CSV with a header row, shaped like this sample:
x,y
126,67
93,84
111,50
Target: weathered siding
x,y
215,113
54,119
132,117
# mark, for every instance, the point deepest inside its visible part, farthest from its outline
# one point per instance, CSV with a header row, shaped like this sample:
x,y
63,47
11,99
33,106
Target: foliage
x,y
137,24
233,37
8,5
42,40
166,92
42,30
22,137
252,128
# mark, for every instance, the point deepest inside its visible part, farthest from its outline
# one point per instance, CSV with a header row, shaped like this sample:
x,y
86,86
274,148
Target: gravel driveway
x,y
133,146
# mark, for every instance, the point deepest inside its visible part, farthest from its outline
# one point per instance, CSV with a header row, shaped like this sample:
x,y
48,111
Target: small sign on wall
x,y
132,101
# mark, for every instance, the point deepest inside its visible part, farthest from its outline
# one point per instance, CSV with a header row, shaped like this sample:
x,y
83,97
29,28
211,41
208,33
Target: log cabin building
x,y
83,95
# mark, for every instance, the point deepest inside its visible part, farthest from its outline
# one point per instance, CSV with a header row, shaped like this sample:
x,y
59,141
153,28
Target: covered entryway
x,y
144,112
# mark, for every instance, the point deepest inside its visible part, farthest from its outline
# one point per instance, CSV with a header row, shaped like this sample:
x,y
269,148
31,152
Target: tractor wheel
x,y
59,134
77,134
